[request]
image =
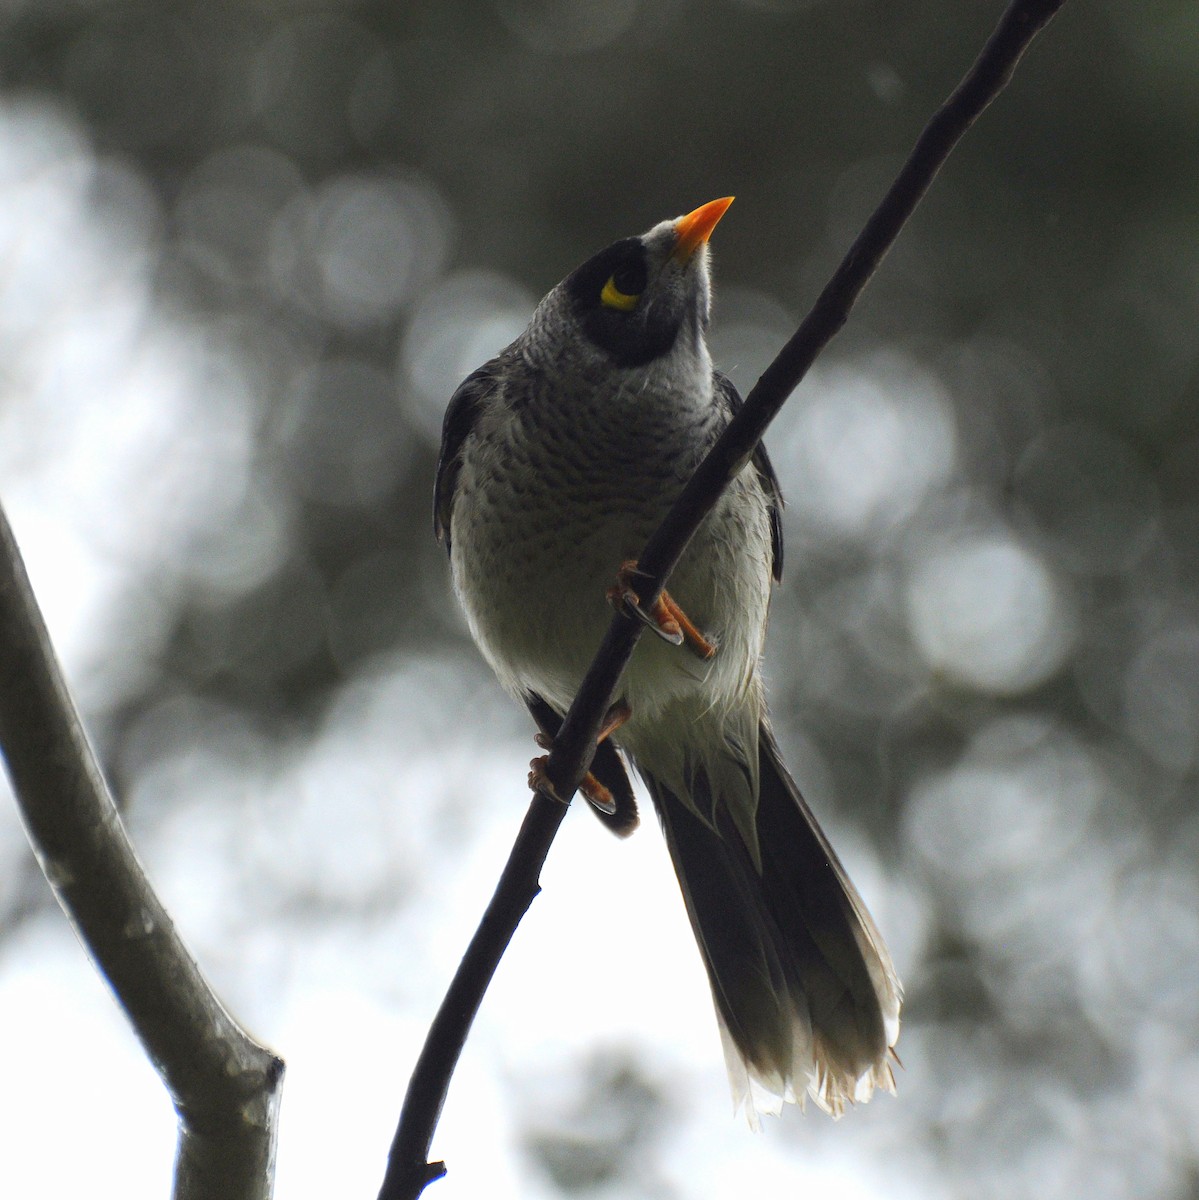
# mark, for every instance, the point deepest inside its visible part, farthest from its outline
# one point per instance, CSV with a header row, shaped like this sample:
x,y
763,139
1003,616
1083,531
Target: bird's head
x,y
643,297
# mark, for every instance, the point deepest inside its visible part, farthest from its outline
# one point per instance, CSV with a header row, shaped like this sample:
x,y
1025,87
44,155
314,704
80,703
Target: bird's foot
x,y
664,616
594,792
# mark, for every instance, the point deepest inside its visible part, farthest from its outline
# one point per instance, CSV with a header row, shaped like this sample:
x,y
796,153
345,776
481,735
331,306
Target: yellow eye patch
x,y
613,297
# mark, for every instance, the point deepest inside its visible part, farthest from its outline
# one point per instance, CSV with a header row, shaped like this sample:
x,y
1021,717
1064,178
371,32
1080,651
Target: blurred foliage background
x,y
246,253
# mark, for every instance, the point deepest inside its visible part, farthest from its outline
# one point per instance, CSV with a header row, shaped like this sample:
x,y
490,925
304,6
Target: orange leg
x,y
593,791
665,618
614,718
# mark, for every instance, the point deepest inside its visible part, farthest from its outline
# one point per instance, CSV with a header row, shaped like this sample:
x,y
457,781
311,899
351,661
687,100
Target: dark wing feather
x,y
465,406
727,394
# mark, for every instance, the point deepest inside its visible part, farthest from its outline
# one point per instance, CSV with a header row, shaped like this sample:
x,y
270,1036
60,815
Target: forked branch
x,y
224,1085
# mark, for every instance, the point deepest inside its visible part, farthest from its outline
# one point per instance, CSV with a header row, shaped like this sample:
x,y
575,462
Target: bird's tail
x,y
807,997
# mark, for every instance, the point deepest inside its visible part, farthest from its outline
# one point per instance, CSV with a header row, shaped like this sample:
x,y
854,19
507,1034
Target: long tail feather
x,y
806,994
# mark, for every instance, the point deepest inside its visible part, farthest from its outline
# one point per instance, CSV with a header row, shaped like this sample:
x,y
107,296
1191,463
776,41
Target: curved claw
x,y
623,598
539,780
594,792
665,617
666,628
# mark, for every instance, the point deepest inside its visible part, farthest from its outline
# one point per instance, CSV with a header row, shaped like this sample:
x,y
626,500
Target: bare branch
x,y
408,1171
224,1085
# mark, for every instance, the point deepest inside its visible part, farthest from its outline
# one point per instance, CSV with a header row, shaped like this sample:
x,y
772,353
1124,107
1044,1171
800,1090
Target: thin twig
x,y
224,1085
409,1172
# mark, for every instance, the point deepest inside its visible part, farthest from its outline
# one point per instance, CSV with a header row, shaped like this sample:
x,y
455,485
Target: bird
x,y
559,458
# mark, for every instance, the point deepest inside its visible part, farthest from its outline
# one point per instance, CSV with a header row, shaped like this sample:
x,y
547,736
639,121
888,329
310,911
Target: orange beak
x,y
696,227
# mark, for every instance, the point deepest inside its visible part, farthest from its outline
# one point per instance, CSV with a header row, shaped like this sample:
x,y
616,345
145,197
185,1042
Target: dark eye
x,y
624,287
630,278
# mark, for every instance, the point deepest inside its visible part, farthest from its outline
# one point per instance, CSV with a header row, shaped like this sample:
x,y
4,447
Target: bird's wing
x,y
727,394
465,406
